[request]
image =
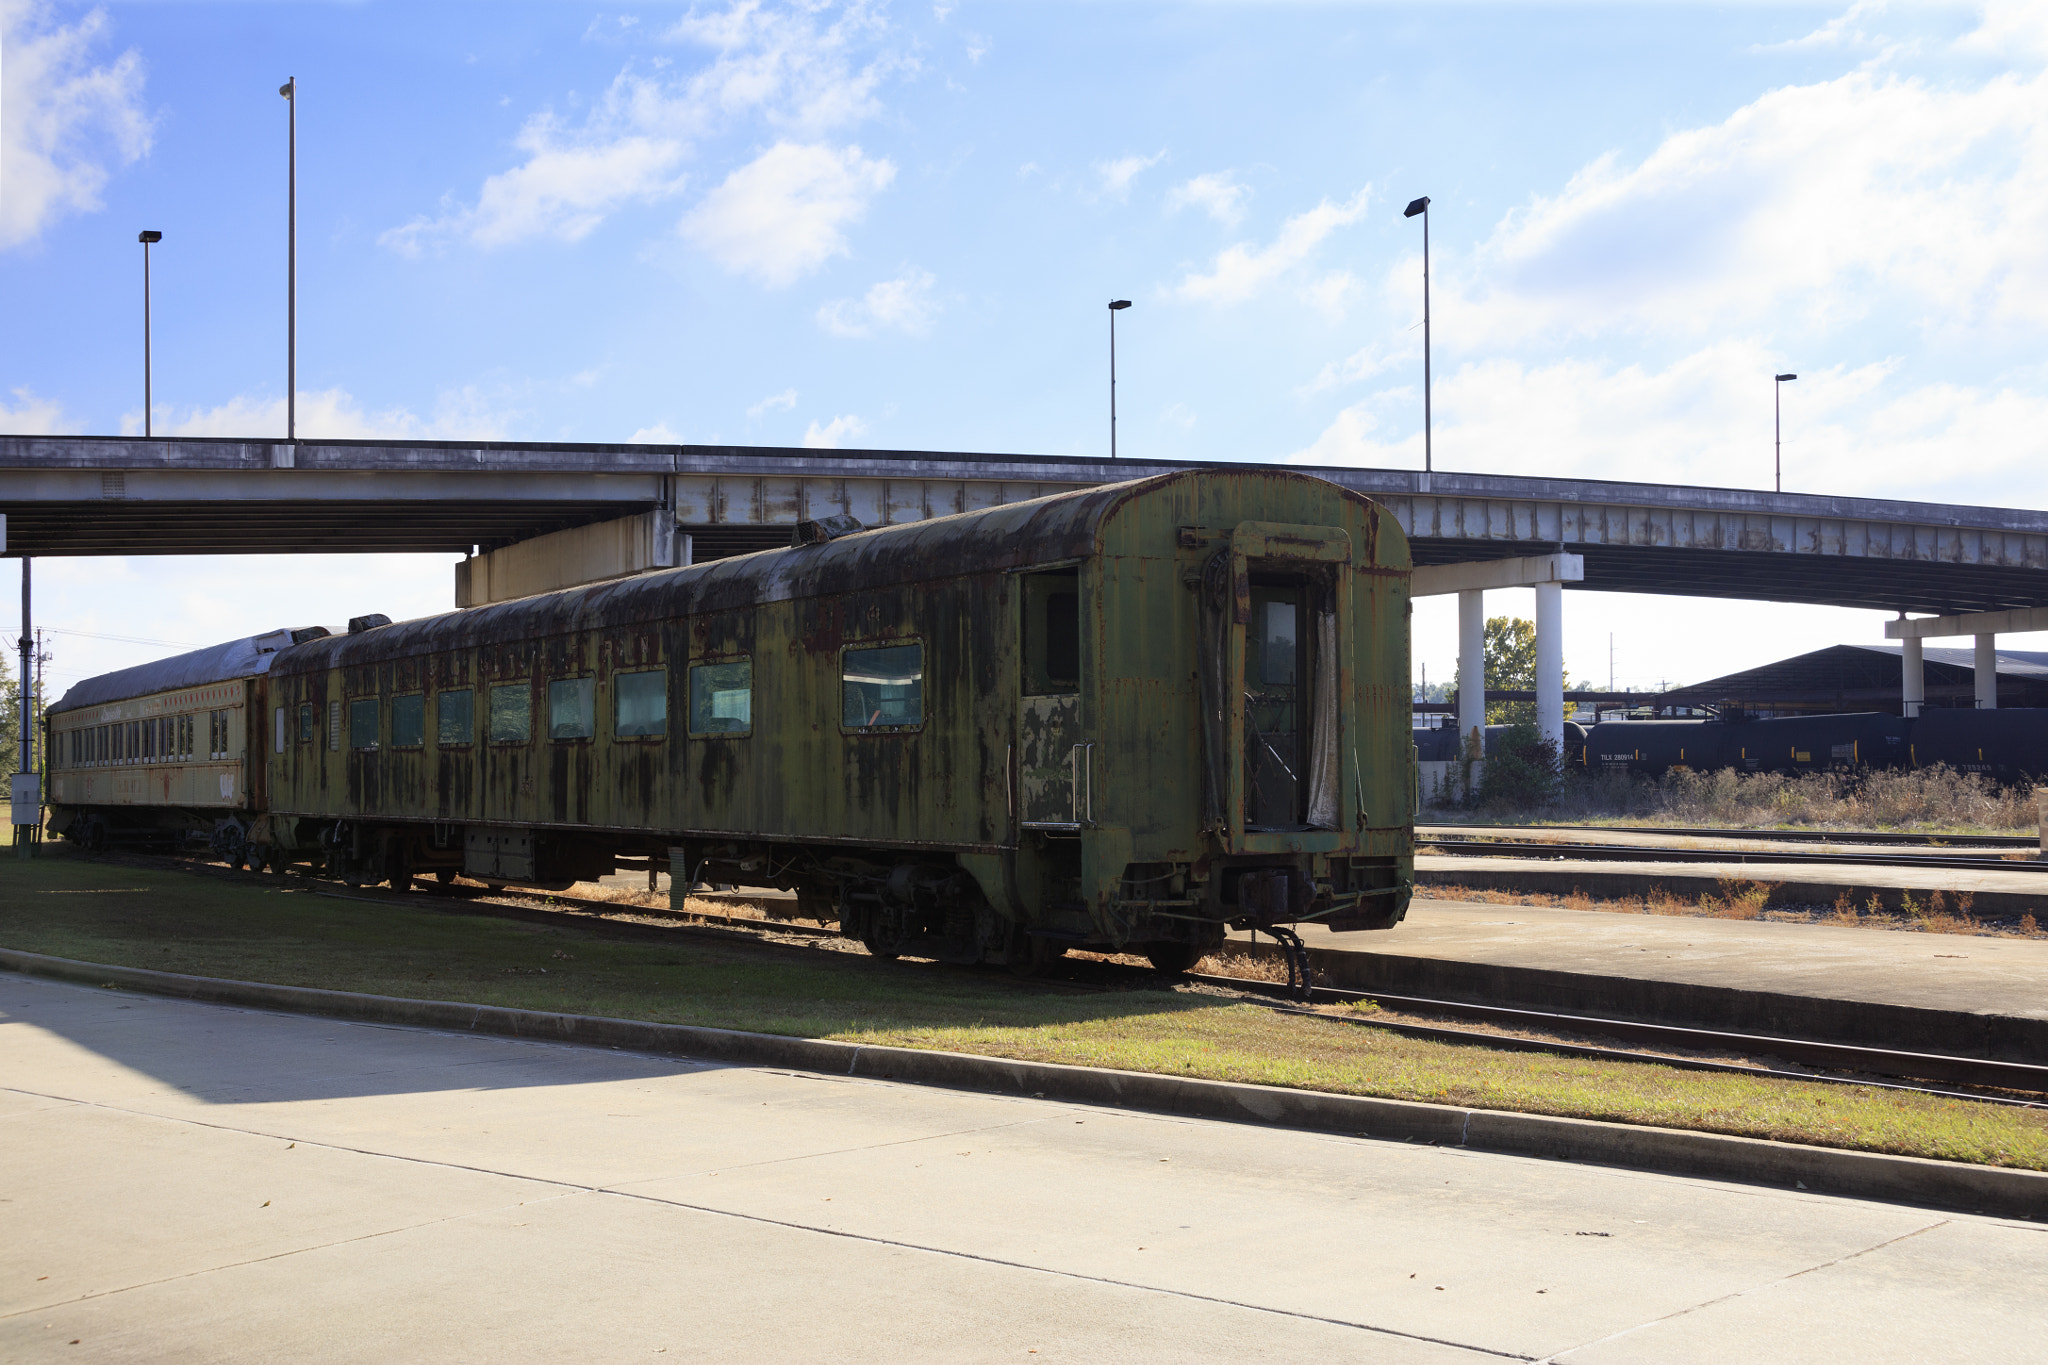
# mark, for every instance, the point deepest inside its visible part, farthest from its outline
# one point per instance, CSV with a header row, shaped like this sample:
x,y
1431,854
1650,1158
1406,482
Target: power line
x,y
119,639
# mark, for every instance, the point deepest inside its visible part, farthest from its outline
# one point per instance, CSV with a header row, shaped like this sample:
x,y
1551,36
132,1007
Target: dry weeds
x,y
1937,798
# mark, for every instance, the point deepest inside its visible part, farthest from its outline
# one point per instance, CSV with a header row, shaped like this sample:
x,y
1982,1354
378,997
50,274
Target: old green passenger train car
x,y
1127,716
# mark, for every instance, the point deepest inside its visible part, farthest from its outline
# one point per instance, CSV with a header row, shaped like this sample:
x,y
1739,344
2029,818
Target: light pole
x,y
290,91
146,238
1778,431
1115,306
1421,206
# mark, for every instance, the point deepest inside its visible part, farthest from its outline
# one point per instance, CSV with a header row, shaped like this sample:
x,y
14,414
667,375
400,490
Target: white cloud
x,y
785,65
1363,364
334,414
1812,205
1242,271
1216,193
1330,294
774,401
656,435
64,122
1117,175
571,180
904,304
781,61
1179,415
1707,419
780,216
1844,30
33,416
2009,28
834,433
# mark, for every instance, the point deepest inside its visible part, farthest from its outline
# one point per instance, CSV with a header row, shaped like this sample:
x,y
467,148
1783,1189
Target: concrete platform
x,y
186,1181
1995,894
1961,994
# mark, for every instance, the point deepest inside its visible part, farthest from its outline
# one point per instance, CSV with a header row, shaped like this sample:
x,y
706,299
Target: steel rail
x,y
1842,1056
1637,853
1788,836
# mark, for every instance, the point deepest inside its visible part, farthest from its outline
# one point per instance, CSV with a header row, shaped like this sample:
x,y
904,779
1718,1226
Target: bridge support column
x,y
1472,674
1987,672
1912,677
1550,663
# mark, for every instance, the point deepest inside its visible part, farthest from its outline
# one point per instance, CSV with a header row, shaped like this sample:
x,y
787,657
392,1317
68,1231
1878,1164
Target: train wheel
x,y
1173,959
256,857
884,949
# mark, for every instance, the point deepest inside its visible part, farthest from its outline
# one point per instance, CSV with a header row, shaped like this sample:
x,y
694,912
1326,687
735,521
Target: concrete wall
x,y
568,559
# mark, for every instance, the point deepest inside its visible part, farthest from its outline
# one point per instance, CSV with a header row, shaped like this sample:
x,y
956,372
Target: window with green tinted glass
x,y
572,708
305,723
882,688
512,713
456,715
641,705
408,721
722,698
362,723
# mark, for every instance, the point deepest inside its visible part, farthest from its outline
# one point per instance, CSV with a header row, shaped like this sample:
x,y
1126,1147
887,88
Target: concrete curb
x,y
1868,1023
1994,1190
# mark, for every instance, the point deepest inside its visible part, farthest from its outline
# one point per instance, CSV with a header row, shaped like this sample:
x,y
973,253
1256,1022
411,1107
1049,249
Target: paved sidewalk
x,y
187,1181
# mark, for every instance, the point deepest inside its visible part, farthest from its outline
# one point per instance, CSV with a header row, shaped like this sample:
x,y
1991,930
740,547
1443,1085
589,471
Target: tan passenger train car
x,y
161,752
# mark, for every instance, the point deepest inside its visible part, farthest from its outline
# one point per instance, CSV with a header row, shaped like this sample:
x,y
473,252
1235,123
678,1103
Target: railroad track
x,y
1475,846
1429,833
1863,1065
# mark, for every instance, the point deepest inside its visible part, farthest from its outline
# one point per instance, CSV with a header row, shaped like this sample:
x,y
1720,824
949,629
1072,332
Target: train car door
x,y
1052,786
1272,679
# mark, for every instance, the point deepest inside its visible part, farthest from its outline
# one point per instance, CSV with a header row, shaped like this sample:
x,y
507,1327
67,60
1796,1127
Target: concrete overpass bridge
x,y
536,516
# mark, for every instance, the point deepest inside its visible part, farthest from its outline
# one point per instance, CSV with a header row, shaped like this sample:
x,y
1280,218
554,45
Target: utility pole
x,y
1115,306
1778,430
290,91
1415,207
146,238
26,800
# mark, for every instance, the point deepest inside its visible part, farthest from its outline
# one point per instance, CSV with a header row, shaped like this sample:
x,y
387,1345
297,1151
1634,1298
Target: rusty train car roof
x,y
216,663
1015,535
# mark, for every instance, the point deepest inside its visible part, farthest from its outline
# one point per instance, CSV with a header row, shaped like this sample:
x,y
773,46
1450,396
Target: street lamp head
x,y
289,86
1416,206
1118,305
1783,377
149,237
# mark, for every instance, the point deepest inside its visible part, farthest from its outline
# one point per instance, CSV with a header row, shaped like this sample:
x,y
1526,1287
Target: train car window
x,y
277,738
408,722
572,708
455,718
722,698
1052,633
306,723
882,688
640,705
362,723
512,713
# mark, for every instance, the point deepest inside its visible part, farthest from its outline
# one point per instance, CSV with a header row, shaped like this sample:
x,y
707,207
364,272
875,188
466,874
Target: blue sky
x,y
896,226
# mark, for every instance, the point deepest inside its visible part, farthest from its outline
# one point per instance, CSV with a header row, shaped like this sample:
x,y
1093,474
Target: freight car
x,y
1125,717
2009,746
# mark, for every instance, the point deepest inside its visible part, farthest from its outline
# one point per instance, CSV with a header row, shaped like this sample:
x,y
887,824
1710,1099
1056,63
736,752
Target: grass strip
x,y
283,933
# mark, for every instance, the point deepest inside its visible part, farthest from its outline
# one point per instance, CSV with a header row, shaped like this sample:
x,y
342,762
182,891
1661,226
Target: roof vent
x,y
826,528
305,633
358,624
